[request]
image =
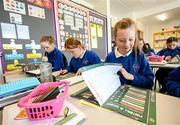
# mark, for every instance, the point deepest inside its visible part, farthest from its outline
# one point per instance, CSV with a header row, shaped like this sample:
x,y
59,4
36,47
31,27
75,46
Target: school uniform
x,y
139,67
168,52
173,82
148,52
87,58
56,59
162,73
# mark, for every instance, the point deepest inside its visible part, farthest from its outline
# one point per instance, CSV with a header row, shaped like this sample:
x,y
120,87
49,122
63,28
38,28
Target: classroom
x,y
84,62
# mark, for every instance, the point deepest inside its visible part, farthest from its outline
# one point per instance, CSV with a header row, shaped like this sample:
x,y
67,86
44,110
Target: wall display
x,y
161,37
8,30
71,21
42,3
15,18
98,34
14,6
21,31
36,12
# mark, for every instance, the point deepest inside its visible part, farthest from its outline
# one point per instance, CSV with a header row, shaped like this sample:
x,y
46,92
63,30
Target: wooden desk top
x,y
167,108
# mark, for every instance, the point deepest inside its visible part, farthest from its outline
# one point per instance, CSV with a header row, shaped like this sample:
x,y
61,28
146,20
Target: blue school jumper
x,y
148,52
168,52
173,82
143,75
162,73
56,59
89,58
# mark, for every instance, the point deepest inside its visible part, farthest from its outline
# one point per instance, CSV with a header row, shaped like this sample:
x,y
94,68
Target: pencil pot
x,y
47,109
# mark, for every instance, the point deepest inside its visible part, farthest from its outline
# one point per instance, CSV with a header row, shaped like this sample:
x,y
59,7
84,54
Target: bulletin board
x,y
71,21
22,24
74,20
98,34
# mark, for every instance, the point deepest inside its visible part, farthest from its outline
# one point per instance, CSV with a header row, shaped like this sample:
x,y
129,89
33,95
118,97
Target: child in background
x,y
136,70
171,51
81,57
173,82
52,54
146,48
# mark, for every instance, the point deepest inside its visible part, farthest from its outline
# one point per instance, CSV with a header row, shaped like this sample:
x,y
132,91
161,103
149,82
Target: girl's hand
x,y
168,58
78,72
62,72
126,75
44,59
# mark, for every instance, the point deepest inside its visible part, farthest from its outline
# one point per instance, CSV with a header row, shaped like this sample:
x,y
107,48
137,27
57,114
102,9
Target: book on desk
x,y
106,91
13,91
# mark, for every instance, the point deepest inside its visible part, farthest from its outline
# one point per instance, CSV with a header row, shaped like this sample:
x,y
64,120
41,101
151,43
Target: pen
x,y
66,119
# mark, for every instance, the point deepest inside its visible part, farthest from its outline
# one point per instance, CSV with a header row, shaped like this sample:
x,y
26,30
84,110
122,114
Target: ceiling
x,y
143,10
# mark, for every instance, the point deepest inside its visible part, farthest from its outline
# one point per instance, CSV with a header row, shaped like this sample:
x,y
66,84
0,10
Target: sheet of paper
x,y
94,41
9,116
14,6
102,80
8,30
15,18
23,32
99,30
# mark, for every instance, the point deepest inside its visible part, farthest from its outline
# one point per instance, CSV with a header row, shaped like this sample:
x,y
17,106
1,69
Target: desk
x,y
167,108
165,66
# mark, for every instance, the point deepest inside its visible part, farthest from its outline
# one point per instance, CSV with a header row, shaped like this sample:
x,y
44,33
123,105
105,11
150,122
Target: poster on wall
x,y
14,6
8,30
71,21
36,12
22,31
15,18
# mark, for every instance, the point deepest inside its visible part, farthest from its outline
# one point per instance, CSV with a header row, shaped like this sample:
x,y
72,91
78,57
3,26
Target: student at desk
x,y
146,48
81,57
171,51
136,70
52,54
173,82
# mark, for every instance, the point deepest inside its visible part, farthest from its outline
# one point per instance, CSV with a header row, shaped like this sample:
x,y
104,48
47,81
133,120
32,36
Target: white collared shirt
x,y
117,54
82,54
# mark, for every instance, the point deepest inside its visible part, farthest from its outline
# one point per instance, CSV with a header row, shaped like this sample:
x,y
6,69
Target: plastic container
x,y
45,68
46,72
155,58
46,109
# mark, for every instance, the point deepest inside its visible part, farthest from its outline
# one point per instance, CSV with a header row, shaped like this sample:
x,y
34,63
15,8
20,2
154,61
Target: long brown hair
x,y
126,23
72,43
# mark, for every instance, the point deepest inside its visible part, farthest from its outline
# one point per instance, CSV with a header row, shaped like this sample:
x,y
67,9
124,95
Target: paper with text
x,y
102,80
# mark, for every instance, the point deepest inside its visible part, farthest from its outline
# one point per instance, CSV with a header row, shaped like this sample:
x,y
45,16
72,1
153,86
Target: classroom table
x,y
167,108
156,66
171,66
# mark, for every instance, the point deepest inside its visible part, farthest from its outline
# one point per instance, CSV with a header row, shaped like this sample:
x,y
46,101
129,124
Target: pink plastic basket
x,y
47,109
155,58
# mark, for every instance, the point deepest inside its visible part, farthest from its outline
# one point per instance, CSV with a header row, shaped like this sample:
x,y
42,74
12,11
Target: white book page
x,y
103,81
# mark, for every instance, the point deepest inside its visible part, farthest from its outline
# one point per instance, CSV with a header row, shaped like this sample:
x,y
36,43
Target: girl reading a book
x,y
81,56
136,70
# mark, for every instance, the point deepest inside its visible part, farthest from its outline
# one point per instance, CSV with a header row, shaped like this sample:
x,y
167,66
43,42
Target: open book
x,y
74,117
104,84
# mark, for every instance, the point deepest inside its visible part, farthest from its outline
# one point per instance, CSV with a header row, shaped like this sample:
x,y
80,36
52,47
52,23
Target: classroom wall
x,y
149,29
